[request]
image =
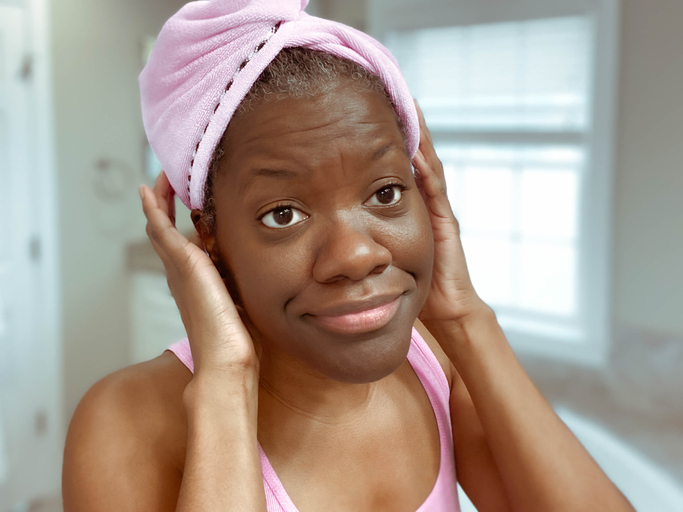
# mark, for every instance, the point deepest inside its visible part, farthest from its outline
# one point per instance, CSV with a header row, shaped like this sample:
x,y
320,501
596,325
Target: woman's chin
x,y
367,361
367,374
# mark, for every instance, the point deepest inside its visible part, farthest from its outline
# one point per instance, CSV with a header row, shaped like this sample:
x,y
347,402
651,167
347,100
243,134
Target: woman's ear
x,y
207,235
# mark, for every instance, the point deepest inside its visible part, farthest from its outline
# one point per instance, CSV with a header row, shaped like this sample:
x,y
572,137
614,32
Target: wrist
x,y
220,392
462,325
469,336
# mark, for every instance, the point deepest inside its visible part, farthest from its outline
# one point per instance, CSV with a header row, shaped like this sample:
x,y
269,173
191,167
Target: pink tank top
x,y
444,495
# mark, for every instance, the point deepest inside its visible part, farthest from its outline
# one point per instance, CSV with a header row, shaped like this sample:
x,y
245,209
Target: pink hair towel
x,y
210,53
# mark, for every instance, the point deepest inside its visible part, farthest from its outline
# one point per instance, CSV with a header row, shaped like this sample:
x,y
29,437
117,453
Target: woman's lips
x,y
360,321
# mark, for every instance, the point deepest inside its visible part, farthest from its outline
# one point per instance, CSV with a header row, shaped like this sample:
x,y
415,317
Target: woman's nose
x,y
348,251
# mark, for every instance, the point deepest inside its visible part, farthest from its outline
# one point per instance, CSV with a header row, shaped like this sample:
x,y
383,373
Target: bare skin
x,y
332,411
118,426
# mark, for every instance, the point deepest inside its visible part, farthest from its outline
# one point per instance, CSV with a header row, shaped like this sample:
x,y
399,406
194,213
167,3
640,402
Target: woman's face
x,y
325,232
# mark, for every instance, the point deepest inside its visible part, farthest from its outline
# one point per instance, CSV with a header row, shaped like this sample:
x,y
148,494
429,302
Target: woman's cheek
x,y
267,279
413,242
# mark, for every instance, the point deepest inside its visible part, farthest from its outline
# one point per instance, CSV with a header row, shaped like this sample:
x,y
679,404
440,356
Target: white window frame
x,y
596,204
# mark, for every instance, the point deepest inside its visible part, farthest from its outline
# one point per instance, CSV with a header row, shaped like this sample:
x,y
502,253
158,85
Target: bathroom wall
x,y
96,52
648,275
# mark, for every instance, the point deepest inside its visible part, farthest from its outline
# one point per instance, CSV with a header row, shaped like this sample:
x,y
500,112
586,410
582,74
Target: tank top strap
x,y
444,495
183,352
427,366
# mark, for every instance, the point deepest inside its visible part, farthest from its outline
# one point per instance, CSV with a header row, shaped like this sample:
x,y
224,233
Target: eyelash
x,y
282,206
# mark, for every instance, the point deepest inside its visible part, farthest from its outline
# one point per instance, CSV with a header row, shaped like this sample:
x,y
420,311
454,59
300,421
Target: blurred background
x,y
558,122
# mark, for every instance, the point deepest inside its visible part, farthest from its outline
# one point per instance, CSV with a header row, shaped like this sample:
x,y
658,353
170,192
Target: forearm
x,y
222,465
542,464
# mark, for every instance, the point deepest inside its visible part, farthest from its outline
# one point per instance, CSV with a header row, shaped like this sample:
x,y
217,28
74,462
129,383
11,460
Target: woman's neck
x,y
289,386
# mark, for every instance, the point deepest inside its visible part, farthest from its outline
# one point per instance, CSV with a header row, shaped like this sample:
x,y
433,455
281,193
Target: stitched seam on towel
x,y
253,53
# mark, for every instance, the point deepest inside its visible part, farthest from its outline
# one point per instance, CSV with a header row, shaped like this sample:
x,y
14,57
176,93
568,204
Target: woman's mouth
x,y
360,320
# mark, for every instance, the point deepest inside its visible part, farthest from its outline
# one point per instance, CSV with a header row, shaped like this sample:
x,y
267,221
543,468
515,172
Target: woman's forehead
x,y
343,118
302,172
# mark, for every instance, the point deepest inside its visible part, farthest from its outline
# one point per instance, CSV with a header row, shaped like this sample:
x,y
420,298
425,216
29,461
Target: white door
x,y
30,390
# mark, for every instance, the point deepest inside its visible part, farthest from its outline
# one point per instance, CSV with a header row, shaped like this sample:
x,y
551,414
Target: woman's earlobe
x,y
205,235
211,250
196,216
210,245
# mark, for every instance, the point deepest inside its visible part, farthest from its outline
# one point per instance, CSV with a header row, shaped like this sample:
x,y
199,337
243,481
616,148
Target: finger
x,y
429,162
427,145
165,196
423,124
433,187
171,206
417,176
167,240
427,180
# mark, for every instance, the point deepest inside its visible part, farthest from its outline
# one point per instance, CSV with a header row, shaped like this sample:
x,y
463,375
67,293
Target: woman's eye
x,y
283,217
387,196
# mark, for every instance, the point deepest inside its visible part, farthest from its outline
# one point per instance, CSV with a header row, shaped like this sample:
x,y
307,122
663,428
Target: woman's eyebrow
x,y
285,174
282,174
381,151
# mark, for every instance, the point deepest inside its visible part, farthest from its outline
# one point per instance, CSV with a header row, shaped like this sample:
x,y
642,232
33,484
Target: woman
x,y
312,385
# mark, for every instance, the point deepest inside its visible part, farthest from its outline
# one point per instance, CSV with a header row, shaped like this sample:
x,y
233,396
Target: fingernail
x,y
141,191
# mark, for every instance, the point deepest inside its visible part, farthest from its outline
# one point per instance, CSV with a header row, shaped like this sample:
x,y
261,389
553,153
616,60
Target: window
x,y
526,75
511,107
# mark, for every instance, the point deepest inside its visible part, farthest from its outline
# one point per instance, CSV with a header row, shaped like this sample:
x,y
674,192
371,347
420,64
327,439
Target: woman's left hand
x,y
452,296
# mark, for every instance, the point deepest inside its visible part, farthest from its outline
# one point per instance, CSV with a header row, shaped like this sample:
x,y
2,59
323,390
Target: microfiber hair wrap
x,y
208,56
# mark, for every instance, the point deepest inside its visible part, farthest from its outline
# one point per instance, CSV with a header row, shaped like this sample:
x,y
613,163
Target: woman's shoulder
x,y
130,427
145,398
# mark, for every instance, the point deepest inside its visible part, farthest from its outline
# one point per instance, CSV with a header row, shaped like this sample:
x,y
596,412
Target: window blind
x,y
517,75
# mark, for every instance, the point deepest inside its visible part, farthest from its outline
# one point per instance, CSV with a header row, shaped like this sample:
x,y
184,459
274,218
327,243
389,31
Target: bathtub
x,y
648,488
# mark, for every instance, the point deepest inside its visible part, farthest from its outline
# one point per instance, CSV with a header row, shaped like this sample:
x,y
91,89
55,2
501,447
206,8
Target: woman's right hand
x,y
221,426
220,342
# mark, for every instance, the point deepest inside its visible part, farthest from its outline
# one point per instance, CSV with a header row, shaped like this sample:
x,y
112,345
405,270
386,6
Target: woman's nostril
x,y
380,268
351,257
